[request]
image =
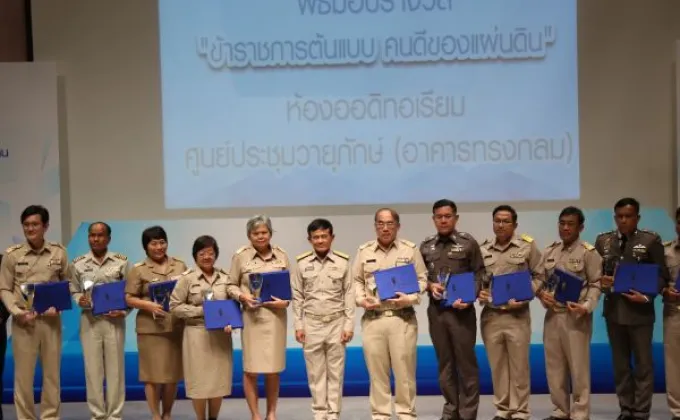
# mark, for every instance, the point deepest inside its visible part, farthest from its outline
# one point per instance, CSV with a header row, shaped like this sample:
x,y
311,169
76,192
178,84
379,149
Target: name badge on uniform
x,y
550,260
309,268
22,263
403,260
54,263
639,251
517,255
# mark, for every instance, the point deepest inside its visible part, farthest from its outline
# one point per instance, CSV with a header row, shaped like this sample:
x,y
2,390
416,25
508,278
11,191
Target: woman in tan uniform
x,y
264,325
159,335
206,355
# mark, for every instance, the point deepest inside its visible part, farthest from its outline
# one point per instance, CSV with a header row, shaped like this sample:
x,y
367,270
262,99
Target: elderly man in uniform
x,y
671,322
390,328
33,335
506,330
630,316
568,328
453,329
323,306
102,337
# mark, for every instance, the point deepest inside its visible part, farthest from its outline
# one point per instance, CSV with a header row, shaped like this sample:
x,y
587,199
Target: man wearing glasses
x,y
390,328
506,329
453,329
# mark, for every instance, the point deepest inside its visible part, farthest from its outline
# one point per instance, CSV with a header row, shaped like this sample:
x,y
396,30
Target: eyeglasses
x,y
385,224
502,222
443,217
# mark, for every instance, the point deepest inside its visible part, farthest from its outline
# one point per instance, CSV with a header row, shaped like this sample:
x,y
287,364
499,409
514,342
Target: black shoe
x,y
499,418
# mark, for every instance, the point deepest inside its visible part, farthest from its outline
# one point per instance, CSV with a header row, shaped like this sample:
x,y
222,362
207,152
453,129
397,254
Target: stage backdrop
x,y
290,234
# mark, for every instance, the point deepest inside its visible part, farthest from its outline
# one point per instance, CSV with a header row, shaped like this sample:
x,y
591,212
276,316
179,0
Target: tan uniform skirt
x,y
208,364
264,340
160,357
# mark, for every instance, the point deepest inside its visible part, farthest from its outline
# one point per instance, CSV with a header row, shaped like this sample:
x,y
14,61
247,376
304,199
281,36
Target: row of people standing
x,y
325,291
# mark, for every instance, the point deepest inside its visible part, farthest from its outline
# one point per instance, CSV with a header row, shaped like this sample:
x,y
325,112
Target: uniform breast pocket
x,y
458,260
195,296
577,267
21,271
335,282
490,261
309,280
517,264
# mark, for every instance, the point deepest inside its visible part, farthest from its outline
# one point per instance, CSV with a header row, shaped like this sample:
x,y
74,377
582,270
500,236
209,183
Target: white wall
x,y
107,52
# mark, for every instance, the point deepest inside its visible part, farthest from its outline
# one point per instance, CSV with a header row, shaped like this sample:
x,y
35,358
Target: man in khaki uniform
x,y
102,337
506,330
323,306
671,322
568,329
390,328
33,335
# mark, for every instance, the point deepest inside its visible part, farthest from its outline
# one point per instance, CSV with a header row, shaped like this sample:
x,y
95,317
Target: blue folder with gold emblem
x,y
641,277
55,295
220,313
568,287
515,286
107,297
396,279
460,286
275,284
161,291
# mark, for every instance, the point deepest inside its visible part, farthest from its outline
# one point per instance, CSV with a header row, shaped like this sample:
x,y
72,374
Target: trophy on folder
x,y
486,279
609,264
162,297
443,278
86,283
551,282
28,291
208,294
255,285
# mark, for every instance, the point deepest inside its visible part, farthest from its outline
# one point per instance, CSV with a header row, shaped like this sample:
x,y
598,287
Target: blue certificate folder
x,y
396,279
274,284
641,277
568,287
161,291
511,286
53,294
460,286
108,297
220,313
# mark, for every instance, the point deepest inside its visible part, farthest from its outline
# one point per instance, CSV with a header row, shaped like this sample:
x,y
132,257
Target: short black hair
x,y
319,224
573,211
677,213
628,201
204,242
505,207
36,209
153,233
444,203
393,212
107,228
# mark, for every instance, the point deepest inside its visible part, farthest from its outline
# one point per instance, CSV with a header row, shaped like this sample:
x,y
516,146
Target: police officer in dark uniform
x,y
453,329
630,316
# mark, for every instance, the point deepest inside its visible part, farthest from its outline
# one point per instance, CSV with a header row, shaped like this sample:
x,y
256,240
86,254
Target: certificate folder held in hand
x,y
220,313
396,279
568,288
55,295
460,286
161,291
643,278
275,284
108,297
511,286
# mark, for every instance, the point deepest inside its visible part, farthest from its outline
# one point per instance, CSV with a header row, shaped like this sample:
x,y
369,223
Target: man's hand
x,y
249,301
26,318
436,289
52,311
227,329
370,303
300,336
276,303
635,296
156,309
401,301
606,281
484,296
577,308
671,293
513,304
84,302
547,298
458,304
346,337
116,314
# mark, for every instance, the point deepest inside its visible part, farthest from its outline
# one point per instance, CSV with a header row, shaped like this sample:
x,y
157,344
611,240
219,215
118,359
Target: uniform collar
x,y
45,248
394,244
329,256
108,256
453,237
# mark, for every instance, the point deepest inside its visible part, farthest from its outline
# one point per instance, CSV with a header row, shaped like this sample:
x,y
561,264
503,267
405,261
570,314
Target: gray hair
x,y
257,221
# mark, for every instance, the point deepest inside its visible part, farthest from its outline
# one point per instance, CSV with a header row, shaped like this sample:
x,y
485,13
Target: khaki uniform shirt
x,y
672,254
371,257
114,267
323,287
520,254
187,299
246,260
582,260
24,265
140,276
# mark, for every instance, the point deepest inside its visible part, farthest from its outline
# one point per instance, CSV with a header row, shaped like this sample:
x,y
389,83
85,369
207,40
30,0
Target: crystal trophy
x,y
443,278
487,280
255,285
28,291
609,264
208,294
86,285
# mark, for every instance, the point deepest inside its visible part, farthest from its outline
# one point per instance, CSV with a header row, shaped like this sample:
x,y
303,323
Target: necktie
x,y
624,239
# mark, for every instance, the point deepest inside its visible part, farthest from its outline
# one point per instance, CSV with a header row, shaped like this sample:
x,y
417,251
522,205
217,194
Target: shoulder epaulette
x,y
668,243
120,256
80,258
240,250
13,248
429,238
278,248
366,245
526,238
486,241
651,232
554,244
303,255
178,259
407,243
58,245
588,246
139,264
341,254
609,232
464,235
187,271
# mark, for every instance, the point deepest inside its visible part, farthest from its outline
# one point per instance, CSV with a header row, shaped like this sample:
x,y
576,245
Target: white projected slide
x,y
332,102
